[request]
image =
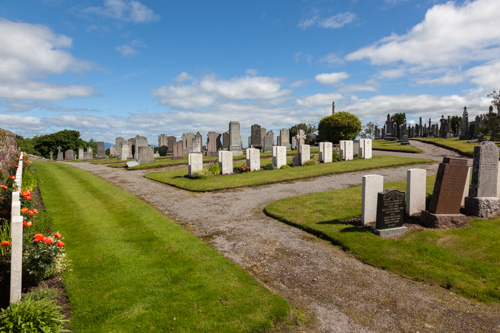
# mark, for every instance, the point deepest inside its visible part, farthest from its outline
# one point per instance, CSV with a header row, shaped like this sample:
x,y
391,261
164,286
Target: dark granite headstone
x,y
390,209
405,141
162,150
225,141
256,138
449,186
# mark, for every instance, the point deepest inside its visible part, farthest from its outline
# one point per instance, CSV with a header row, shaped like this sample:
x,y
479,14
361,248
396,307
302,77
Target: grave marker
x,y
279,156
416,191
146,154
390,214
125,152
101,150
213,144
195,163
325,152
253,159
177,151
226,162
371,186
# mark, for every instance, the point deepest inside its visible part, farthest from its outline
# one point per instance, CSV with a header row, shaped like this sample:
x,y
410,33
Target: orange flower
x,y
25,193
48,241
35,211
5,243
24,210
1,198
60,244
4,187
29,224
12,177
28,198
38,237
57,235
30,212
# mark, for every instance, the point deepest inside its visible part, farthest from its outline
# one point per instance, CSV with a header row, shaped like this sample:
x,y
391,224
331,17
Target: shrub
x,y
214,167
335,156
241,169
201,174
29,180
339,126
285,166
32,315
269,166
39,257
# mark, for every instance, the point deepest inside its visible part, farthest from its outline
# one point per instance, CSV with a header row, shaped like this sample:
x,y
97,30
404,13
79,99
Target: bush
x,y
201,174
269,166
285,166
335,156
339,126
32,315
241,169
214,167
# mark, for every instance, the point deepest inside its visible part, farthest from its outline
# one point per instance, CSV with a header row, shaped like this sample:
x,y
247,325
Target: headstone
x,y
368,149
253,159
390,213
467,187
51,153
346,147
303,156
405,141
285,138
294,143
355,148
482,200
361,147
125,152
177,151
101,150
80,153
171,140
263,133
60,156
131,164
89,154
69,155
301,137
268,142
226,162
444,209
16,255
162,140
225,141
118,144
235,139
213,144
371,186
279,156
256,137
325,152
146,154
184,143
189,142
415,191
195,163
162,150
132,148
112,151
197,143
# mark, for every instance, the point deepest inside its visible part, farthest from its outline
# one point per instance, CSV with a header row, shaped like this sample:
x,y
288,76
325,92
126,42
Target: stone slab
x,y
279,156
449,186
482,206
132,164
253,159
325,152
390,209
442,221
391,232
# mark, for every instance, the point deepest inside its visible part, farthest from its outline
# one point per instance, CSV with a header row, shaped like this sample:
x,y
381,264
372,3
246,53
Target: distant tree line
x,y
41,145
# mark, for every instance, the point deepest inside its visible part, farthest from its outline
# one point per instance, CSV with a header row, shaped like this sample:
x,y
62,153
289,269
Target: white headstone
x,y
346,147
226,162
415,191
325,152
371,186
368,149
279,156
195,163
361,149
467,187
304,153
253,159
125,152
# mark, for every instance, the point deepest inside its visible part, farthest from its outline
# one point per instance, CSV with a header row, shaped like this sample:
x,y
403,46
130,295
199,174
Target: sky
x,y
111,68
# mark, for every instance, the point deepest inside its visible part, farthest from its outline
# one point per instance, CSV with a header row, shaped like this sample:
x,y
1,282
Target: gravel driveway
x,y
337,292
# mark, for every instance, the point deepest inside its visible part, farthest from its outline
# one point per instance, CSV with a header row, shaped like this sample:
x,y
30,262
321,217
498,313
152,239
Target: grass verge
x,y
178,178
464,260
455,144
134,269
394,146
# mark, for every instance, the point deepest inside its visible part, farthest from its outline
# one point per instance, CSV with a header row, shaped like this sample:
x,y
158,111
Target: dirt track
x,y
337,292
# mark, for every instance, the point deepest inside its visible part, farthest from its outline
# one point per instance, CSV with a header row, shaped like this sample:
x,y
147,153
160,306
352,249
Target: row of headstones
x,y
195,160
82,155
451,191
128,149
16,235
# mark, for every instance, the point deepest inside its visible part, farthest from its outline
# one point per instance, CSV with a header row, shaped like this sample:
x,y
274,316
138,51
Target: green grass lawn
x,y
394,146
135,270
179,177
465,260
460,146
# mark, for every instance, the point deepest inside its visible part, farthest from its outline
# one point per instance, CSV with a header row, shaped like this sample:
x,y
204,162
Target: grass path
x,y
134,269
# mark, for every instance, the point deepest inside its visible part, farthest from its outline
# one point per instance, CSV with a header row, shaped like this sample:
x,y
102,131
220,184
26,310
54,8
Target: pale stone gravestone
x,y
355,148
101,150
416,191
226,162
262,135
213,144
482,200
235,138
189,142
444,209
195,163
285,138
467,187
197,143
325,152
146,154
371,186
177,152
112,151
60,156
171,140
294,143
89,154
125,152
368,149
162,140
118,144
225,141
279,156
131,164
253,159
80,153
268,142
132,148
390,214
71,154
346,147
303,156
361,148
162,151
256,137
301,138
51,153
249,145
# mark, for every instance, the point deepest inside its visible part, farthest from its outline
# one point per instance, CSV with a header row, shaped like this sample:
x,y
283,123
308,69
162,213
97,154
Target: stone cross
x,y
51,155
301,138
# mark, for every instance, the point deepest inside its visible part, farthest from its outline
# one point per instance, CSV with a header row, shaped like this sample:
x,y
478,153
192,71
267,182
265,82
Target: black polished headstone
x,y
162,150
390,209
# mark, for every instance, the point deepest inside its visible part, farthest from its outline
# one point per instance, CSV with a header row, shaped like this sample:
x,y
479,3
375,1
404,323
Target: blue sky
x,y
114,68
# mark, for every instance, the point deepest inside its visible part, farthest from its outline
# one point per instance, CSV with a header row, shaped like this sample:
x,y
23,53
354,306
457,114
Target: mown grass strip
x,y
464,260
455,144
133,269
178,178
394,146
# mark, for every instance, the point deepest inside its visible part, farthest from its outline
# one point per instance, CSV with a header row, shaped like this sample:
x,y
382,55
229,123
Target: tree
x,y
399,119
308,128
491,130
339,126
368,131
496,99
456,120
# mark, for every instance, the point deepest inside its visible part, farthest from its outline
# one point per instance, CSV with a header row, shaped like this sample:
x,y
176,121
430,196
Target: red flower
x,y
29,224
12,177
35,211
60,244
5,243
30,212
4,187
57,235
48,241
38,237
24,210
28,198
24,223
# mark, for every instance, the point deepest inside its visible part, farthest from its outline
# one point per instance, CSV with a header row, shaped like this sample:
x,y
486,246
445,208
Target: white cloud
x,y
447,79
332,22
450,34
331,59
486,75
392,73
125,10
126,50
331,79
204,93
319,100
251,72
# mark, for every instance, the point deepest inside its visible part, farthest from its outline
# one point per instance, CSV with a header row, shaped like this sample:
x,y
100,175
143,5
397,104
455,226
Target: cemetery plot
x,y
464,260
394,146
178,178
145,270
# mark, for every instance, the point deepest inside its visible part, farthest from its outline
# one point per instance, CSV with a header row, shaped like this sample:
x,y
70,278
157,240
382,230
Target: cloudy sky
x,y
113,68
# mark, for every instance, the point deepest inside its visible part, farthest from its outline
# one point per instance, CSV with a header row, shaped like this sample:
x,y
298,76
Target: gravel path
x,y
337,292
